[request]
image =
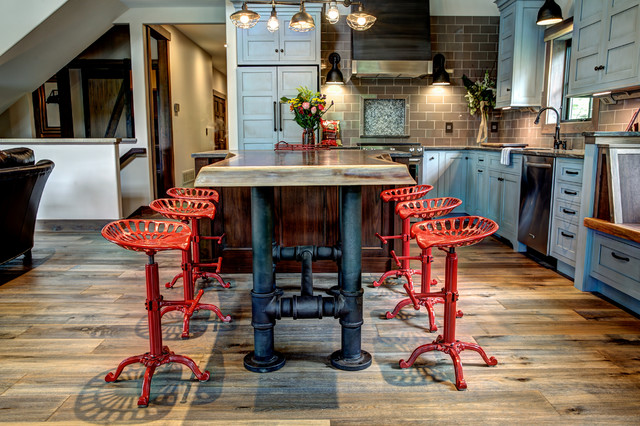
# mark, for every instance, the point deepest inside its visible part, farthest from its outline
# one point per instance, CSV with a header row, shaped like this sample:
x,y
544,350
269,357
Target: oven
x,y
409,154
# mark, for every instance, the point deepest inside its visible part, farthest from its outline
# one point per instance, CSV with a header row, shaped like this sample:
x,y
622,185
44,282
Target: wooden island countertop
x,y
627,231
303,168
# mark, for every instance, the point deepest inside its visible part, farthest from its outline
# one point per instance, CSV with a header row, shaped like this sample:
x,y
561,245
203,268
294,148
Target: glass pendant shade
x,y
273,24
334,76
550,13
333,14
360,20
440,75
302,21
245,18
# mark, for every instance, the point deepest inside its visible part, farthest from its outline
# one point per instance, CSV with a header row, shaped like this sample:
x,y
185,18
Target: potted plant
x,y
481,97
308,107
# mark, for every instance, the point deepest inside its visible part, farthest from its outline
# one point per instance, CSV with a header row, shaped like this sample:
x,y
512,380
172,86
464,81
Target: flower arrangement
x,y
308,107
481,95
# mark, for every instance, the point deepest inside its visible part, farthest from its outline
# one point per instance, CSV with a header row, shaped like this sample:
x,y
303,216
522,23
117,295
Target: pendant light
x,y
334,76
273,24
333,14
245,18
440,75
550,13
302,21
360,20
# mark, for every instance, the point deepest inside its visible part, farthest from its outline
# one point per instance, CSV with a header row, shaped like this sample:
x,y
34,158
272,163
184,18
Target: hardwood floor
x,y
564,356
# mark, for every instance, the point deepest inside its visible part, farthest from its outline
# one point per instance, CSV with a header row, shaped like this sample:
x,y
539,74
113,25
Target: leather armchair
x,y
21,185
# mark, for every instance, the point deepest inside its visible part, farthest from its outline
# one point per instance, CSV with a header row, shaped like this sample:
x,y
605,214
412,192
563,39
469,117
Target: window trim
x,y
567,127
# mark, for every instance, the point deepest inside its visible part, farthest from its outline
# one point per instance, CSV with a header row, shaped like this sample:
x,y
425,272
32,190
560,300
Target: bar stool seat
x,y
447,234
424,209
202,194
398,195
189,210
150,237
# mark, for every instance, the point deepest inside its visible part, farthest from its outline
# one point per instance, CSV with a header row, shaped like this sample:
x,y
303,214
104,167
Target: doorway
x,y
160,103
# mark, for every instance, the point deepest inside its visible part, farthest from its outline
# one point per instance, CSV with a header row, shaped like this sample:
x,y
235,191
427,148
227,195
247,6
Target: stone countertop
x,y
303,168
545,152
66,141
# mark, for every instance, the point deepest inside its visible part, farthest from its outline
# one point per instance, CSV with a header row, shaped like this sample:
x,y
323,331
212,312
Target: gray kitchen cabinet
x,y
431,172
477,185
258,46
616,262
262,119
453,167
567,191
606,46
503,200
520,54
471,191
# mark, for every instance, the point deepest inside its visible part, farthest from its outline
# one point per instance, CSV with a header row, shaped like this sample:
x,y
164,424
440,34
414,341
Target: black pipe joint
x,y
300,307
261,318
299,253
351,310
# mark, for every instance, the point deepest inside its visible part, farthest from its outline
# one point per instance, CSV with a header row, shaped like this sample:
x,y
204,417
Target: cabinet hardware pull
x,y
276,50
570,172
538,165
508,89
570,192
564,234
280,112
500,179
275,116
598,68
481,160
432,158
281,50
568,211
616,256
480,171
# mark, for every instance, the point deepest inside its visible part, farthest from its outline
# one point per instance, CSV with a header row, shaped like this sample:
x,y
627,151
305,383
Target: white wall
x,y
219,81
191,88
17,121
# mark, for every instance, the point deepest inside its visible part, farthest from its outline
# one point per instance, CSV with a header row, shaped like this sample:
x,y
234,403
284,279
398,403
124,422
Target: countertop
x,y
628,231
66,141
303,168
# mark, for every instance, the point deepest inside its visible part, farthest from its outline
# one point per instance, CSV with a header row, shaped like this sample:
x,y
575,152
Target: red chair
x,y
447,234
189,210
398,195
202,194
424,209
150,237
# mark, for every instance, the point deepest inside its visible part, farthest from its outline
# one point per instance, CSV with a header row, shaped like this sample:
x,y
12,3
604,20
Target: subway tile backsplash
x,y
470,47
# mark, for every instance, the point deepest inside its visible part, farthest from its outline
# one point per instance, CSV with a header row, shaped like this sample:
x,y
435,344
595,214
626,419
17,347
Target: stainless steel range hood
x,y
398,44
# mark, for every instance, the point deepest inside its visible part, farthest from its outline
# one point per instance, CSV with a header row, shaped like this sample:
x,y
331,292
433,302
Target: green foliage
x,y
481,95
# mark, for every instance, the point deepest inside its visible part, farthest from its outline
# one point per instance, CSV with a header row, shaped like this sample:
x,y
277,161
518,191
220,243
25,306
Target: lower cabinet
x,y
503,202
454,173
431,172
616,262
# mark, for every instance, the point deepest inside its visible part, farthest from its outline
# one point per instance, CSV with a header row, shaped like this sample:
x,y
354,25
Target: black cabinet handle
x,y
570,192
508,90
432,158
564,234
598,68
622,258
481,160
500,179
276,50
275,116
569,172
281,50
567,211
280,117
480,171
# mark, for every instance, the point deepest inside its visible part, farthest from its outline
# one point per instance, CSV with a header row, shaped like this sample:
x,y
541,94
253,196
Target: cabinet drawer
x,y
564,241
569,171
515,167
570,192
566,211
617,264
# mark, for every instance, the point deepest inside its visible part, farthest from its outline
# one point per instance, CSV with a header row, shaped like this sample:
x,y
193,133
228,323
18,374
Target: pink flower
x,y
313,110
320,107
306,105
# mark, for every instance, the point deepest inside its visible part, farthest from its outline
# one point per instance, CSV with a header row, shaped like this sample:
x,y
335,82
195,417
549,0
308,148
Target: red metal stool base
x,y
152,362
447,234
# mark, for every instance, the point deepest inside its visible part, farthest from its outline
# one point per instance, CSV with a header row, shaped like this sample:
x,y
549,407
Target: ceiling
x,y
211,38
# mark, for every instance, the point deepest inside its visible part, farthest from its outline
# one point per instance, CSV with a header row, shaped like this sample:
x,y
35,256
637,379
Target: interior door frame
x,y
163,179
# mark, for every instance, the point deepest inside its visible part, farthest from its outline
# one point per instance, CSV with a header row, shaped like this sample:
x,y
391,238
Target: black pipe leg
x,y
351,357
263,358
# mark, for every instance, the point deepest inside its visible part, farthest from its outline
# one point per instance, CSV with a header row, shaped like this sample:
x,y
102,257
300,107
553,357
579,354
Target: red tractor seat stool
x,y
447,234
185,210
152,236
407,193
202,194
424,209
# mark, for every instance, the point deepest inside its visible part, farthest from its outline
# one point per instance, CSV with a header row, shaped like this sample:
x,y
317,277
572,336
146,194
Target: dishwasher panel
x,y
536,190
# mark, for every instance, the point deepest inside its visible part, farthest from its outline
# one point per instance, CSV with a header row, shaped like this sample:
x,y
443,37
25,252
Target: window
x,y
577,114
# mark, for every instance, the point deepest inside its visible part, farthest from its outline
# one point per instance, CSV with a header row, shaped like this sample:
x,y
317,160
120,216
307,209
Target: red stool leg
x,y
195,249
157,354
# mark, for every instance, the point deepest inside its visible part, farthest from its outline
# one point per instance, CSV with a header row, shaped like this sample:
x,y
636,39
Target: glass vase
x,y
308,136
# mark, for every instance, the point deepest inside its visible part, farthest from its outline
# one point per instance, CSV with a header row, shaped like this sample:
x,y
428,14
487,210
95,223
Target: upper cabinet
x,y
520,54
605,46
258,46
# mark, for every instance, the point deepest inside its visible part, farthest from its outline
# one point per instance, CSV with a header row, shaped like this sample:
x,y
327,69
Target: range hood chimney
x,y
398,44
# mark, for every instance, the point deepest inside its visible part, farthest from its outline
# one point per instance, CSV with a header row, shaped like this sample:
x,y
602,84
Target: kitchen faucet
x,y
557,143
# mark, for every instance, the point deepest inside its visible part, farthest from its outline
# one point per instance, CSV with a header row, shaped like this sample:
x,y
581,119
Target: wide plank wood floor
x,y
564,356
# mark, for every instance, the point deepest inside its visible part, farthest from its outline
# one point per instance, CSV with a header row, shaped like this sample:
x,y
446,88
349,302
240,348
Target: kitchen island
x,y
302,172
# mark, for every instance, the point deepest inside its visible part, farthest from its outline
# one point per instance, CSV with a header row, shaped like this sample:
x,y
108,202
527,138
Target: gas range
x,y
415,149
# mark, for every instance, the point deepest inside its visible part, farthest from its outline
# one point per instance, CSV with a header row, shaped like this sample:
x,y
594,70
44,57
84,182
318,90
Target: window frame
x,y
551,34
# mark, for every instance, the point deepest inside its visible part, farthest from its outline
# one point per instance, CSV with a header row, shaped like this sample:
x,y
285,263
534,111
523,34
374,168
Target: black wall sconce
x,y
440,75
334,76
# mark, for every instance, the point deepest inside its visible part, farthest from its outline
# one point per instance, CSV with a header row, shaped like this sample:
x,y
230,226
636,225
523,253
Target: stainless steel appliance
x,y
402,152
535,202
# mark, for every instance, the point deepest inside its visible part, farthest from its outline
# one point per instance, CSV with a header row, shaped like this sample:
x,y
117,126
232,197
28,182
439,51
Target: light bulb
x,y
272,23
244,19
333,15
361,21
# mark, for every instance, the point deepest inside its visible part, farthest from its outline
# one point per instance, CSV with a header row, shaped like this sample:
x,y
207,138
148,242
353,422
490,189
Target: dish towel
x,y
505,156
